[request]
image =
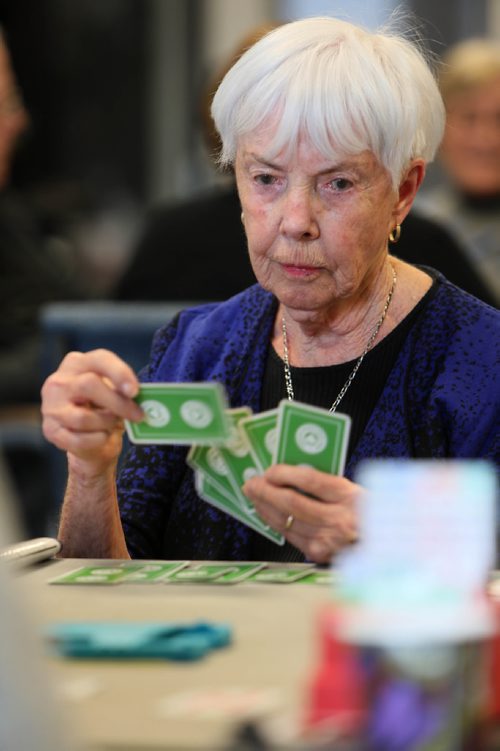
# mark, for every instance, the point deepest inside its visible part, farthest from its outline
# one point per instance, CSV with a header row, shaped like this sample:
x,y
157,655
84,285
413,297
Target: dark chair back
x,y
122,327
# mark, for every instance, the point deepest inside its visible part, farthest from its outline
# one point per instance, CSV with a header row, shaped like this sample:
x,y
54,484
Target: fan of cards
x,y
228,446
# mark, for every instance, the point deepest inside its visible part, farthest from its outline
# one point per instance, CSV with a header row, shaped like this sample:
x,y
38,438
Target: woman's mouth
x,y
297,270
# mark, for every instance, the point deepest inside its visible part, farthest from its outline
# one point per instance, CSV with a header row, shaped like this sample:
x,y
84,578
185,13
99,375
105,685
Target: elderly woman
x,y
467,198
329,129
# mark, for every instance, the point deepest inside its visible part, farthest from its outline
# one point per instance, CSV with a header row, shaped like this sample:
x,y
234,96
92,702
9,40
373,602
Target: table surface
x,y
132,705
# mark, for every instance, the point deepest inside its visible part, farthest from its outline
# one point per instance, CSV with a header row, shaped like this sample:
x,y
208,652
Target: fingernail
x,y
128,389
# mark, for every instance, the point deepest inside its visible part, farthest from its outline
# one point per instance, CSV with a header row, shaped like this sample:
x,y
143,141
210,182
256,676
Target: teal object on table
x,y
124,641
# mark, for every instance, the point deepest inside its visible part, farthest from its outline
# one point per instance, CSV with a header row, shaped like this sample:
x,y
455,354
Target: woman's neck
x,y
341,332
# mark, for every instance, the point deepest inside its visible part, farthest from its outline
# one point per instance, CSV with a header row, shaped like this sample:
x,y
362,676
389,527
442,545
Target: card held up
x,y
311,436
180,413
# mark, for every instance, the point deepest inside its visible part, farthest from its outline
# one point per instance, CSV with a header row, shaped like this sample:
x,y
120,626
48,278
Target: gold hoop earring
x,y
395,234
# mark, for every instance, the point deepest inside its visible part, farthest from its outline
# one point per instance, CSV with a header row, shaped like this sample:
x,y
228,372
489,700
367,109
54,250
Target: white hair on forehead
x,y
347,90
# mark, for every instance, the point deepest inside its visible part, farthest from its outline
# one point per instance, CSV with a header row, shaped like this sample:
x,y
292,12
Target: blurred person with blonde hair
x,y
467,200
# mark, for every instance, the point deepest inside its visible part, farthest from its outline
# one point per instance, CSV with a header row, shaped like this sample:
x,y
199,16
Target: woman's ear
x,y
408,187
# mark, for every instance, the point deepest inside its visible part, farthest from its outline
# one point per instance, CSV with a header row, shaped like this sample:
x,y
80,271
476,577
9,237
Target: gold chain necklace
x,y
352,375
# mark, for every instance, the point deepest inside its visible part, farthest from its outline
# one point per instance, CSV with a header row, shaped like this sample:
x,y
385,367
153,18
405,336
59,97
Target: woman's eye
x,y
265,179
340,183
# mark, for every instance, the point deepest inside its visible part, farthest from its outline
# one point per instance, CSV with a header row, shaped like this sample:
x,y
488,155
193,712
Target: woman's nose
x,y
300,215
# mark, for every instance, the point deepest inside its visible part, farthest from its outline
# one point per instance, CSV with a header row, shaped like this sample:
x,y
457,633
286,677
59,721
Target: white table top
x,y
151,704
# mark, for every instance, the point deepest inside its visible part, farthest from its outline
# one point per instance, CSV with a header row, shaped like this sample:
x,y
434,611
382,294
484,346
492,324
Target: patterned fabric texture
x,y
440,400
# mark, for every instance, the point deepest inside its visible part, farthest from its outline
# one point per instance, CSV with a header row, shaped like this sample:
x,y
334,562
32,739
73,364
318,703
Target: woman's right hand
x,y
84,404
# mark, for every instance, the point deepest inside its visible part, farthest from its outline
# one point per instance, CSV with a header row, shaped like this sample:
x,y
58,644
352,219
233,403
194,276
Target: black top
x,y
320,386
197,250
192,250
32,273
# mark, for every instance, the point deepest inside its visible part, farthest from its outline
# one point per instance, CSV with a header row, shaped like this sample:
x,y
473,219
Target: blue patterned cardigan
x,y
440,400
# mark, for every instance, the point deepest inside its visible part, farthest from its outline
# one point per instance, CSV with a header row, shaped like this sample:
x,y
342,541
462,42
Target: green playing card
x,y
261,434
208,461
216,573
237,456
210,492
200,572
240,572
181,413
283,574
152,573
102,574
220,472
310,436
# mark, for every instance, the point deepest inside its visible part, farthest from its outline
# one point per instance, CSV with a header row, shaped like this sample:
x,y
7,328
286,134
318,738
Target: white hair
x,y
347,89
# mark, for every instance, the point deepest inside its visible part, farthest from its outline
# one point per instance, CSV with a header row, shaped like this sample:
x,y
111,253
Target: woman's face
x,y
317,228
471,146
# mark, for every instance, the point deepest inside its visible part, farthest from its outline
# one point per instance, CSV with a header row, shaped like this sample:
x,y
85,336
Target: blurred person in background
x,y
33,271
196,248
182,254
467,199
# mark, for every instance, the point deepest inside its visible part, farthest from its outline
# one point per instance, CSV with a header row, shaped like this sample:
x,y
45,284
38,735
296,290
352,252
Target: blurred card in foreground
x,y
427,531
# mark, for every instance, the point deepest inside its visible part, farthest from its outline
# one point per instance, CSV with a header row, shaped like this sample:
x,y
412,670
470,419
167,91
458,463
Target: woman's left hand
x,y
315,511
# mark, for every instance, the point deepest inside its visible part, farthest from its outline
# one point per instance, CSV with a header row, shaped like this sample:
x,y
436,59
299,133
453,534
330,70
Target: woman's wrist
x,y
89,474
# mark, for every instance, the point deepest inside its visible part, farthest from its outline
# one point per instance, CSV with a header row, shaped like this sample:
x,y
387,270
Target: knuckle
x,y
79,420
50,384
320,550
71,359
48,429
290,497
86,383
100,352
55,387
55,435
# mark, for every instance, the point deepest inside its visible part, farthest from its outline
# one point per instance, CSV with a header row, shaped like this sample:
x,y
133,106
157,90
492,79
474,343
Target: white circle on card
x,y
216,462
156,414
310,438
249,473
236,443
270,440
196,414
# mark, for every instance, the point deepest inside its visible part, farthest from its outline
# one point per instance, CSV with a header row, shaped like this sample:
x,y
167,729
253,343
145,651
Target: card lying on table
x,y
117,572
160,573
180,413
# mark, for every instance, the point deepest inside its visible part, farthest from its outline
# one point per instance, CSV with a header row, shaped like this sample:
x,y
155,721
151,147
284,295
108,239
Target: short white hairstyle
x,y
346,89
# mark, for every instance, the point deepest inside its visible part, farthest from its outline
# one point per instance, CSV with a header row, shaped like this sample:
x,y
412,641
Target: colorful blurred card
x,y
427,530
